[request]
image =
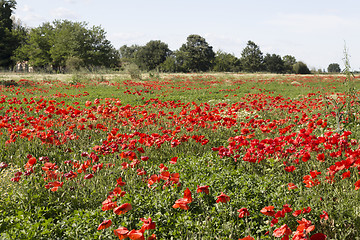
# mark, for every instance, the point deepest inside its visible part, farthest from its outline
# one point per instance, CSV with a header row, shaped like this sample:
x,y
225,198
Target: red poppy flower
x,y
183,202
164,176
283,230
306,210
175,177
121,232
141,172
292,186
321,157
117,191
247,238
152,237
54,185
274,221
144,158
223,198
136,234
318,236
15,179
120,182
88,176
88,103
268,211
290,168
204,189
305,225
148,224
123,208
296,213
173,160
357,185
104,224
140,149
243,212
324,216
108,204
345,175
3,165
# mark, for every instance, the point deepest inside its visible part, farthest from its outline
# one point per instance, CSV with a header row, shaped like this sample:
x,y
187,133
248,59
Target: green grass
x,y
30,211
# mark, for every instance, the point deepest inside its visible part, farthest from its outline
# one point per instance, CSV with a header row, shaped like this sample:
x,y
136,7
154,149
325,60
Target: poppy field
x,y
181,157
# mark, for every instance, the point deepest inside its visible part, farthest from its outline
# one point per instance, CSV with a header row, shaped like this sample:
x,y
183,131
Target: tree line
x,y
63,45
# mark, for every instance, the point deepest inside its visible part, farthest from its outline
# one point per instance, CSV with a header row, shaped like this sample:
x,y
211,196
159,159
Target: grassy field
x,y
185,156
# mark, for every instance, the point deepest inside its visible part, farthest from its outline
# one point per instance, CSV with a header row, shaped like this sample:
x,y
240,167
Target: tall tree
x,y
170,64
127,54
38,46
252,58
8,41
334,68
150,56
61,42
289,62
195,55
226,62
301,68
273,63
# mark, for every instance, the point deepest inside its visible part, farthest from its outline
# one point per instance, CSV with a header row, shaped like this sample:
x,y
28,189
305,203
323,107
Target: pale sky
x,y
314,31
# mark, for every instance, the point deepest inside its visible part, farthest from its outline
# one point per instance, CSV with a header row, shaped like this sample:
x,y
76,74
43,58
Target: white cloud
x,y
229,44
62,13
28,16
76,1
26,8
307,23
129,37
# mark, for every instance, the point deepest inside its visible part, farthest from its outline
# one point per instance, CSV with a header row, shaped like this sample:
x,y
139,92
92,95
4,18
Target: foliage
x,y
150,56
38,46
74,64
226,62
334,68
196,55
169,65
289,62
273,63
300,68
54,43
127,54
9,39
252,58
134,71
195,156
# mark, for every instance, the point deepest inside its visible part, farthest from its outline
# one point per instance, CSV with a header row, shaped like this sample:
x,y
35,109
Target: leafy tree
x,y
150,56
252,58
170,64
8,41
127,54
226,62
68,40
289,62
195,55
37,48
273,63
334,68
301,68
52,44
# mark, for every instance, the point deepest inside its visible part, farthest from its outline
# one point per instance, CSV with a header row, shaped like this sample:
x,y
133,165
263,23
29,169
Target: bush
x,y
301,68
334,68
74,64
134,71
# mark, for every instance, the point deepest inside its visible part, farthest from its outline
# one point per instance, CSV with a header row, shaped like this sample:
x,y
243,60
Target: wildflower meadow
x,y
188,156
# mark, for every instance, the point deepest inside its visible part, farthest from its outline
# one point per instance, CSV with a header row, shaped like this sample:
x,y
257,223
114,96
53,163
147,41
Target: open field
x,y
185,156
